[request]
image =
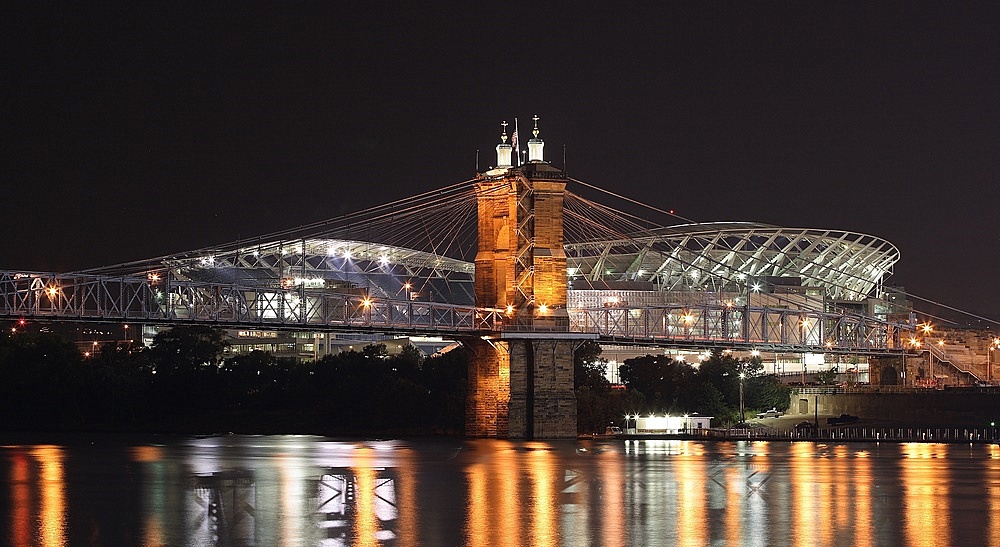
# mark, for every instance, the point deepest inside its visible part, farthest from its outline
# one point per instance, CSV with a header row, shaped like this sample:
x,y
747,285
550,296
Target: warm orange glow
x,y
692,526
543,308
803,495
926,328
925,494
612,494
147,454
52,521
992,482
544,475
495,517
478,524
407,502
20,474
366,303
365,521
688,318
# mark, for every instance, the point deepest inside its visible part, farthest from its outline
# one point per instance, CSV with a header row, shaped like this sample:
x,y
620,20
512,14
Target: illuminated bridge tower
x,y
521,381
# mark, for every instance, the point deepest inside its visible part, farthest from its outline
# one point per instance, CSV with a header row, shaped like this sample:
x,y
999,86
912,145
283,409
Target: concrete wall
x,y
952,407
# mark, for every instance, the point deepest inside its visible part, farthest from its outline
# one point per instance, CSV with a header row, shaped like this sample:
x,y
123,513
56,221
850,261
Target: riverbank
x,y
795,428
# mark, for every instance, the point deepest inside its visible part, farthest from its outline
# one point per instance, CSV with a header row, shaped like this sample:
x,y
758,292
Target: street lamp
x,y
743,416
994,345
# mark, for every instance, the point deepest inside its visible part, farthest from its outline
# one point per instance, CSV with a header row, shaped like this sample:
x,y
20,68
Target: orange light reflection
x,y
993,492
20,500
365,522
53,503
925,495
692,526
542,471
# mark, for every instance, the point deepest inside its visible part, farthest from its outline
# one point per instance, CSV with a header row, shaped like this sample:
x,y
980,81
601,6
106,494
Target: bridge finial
x,y
504,149
535,144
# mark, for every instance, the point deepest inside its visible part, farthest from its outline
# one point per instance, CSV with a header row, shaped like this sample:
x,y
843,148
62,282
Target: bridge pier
x,y
542,400
487,397
521,387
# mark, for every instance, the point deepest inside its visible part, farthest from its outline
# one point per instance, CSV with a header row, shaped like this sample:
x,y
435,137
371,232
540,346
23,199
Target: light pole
x,y
989,359
926,328
743,416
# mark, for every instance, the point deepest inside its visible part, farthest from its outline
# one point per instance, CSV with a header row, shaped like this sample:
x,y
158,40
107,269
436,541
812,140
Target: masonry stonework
x,y
521,386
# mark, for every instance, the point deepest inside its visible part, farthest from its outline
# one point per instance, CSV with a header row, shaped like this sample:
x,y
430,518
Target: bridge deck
x,y
82,297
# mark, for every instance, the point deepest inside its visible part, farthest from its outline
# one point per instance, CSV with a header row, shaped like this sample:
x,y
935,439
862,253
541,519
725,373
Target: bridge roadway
x,y
96,298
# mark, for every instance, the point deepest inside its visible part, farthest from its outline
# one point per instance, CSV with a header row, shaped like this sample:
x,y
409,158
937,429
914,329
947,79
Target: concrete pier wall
x,y
951,407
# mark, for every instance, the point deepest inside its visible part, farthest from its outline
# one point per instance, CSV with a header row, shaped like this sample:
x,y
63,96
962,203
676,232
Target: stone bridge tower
x,y
521,380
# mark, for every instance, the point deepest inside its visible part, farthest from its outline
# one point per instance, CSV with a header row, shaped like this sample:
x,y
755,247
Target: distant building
x,y
667,425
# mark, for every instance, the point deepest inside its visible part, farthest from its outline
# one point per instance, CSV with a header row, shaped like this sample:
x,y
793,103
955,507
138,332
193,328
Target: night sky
x,y
133,132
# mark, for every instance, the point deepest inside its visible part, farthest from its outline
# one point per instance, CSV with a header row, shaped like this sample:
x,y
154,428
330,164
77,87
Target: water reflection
x,y
925,484
313,491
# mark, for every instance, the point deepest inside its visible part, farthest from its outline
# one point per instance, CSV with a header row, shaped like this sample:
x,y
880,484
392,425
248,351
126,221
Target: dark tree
x,y
188,347
664,382
589,368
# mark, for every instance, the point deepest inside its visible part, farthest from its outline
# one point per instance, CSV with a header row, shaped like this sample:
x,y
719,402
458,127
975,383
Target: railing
x,y
84,297
945,357
858,433
742,327
837,390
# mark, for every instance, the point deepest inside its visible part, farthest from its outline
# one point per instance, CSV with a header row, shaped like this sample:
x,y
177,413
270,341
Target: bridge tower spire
x,y
521,380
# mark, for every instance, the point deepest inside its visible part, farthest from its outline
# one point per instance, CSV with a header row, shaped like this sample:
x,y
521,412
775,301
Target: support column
x,y
488,391
542,401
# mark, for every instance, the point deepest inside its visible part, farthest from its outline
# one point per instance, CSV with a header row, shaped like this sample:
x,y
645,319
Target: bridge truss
x,y
150,300
97,298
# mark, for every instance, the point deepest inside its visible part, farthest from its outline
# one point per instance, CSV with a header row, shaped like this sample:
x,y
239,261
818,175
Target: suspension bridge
x,y
522,267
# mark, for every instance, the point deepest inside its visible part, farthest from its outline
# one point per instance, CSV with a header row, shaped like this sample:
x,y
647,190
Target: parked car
x,y
773,413
842,419
805,426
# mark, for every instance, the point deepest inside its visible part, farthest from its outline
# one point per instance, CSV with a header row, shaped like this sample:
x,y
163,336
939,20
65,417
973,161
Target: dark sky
x,y
133,132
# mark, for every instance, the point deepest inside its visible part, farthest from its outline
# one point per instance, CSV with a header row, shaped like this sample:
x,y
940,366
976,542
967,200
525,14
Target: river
x,y
301,490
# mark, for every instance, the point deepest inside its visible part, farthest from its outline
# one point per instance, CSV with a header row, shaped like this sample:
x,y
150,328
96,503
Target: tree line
x,y
662,385
186,382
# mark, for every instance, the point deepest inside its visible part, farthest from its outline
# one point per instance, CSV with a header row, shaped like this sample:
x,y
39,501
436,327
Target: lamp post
x,y
926,328
743,417
916,347
989,359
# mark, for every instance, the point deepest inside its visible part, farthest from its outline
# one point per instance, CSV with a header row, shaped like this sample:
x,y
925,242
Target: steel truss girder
x,y
85,297
705,325
82,297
